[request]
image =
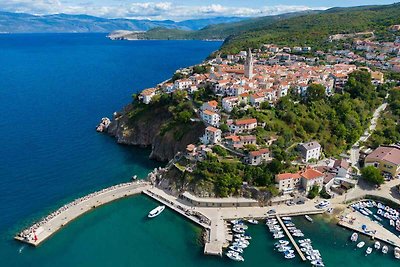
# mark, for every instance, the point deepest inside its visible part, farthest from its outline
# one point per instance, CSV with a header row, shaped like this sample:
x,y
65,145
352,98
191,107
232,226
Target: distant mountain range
x,y
27,23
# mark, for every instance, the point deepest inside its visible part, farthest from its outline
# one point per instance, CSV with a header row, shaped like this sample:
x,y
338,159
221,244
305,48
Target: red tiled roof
x,y
212,129
311,174
285,176
259,152
246,121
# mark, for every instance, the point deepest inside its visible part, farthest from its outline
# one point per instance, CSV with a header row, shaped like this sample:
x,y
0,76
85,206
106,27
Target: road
x,y
355,150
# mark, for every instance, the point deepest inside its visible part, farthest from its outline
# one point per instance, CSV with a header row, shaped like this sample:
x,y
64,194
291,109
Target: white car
x,y
323,204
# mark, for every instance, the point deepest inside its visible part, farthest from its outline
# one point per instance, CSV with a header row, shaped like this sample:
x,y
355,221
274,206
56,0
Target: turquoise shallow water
x,y
53,90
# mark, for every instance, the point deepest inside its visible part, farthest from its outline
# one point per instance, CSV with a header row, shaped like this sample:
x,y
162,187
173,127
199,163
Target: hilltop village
x,y
280,121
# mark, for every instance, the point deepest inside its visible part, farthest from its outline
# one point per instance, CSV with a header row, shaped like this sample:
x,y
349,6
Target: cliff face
x,y
144,130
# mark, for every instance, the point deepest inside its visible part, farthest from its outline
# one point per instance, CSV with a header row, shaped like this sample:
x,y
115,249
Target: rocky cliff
x,y
144,130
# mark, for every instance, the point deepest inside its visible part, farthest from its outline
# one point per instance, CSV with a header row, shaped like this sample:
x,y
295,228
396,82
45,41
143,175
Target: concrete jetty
x,y
291,238
354,221
43,229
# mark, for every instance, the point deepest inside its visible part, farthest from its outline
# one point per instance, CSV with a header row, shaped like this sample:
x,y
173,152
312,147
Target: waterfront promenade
x,y
216,217
43,229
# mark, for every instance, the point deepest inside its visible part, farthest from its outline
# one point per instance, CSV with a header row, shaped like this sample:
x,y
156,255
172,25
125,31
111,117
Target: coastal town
x,y
358,187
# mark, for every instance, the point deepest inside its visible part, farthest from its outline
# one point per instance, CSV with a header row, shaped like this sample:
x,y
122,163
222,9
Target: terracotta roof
x,y
285,176
245,121
209,112
234,138
148,92
311,174
389,154
213,103
212,129
248,137
259,152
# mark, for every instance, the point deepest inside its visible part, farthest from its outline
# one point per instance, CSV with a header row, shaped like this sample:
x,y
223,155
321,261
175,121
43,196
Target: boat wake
x,y
21,249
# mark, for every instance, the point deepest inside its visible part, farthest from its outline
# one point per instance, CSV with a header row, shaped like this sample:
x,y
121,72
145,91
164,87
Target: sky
x,y
174,9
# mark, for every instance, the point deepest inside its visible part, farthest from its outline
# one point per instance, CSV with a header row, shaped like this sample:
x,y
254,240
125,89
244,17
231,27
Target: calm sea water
x,y
53,91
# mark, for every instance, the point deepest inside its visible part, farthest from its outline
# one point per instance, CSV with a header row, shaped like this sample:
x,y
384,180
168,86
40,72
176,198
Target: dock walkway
x,y
354,221
43,229
291,239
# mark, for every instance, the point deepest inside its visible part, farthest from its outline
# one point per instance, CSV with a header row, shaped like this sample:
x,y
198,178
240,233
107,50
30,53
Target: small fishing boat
x,y
368,251
286,218
284,248
155,212
377,217
377,245
283,242
308,218
385,249
361,244
252,221
354,237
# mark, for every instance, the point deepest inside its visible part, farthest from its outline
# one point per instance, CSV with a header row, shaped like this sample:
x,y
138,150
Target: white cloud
x,y
147,10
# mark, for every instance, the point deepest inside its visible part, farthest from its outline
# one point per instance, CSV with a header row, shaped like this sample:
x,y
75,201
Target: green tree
x,y
372,175
313,192
315,92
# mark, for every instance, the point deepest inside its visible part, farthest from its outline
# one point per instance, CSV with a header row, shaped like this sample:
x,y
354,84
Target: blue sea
x,y
54,89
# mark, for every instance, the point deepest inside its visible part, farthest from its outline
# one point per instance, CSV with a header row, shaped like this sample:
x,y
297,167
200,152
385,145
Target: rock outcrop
x,y
144,130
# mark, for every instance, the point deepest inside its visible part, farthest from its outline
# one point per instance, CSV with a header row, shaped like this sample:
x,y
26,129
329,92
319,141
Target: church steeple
x,y
248,65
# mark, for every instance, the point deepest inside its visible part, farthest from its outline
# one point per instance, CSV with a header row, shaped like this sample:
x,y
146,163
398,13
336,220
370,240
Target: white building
x,y
211,136
182,84
288,182
211,117
146,95
259,156
243,125
210,105
228,103
311,150
311,177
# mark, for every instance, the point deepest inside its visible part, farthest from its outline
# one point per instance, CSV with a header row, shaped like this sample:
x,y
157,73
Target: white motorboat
x,y
308,218
155,212
290,256
286,218
234,256
377,245
237,249
252,221
368,251
363,212
385,249
283,242
317,263
239,245
361,244
397,253
354,237
284,248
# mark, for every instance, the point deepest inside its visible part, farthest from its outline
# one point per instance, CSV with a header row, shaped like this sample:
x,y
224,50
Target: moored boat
x,y
385,249
377,245
397,253
308,218
252,221
361,244
155,212
234,256
354,237
368,251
